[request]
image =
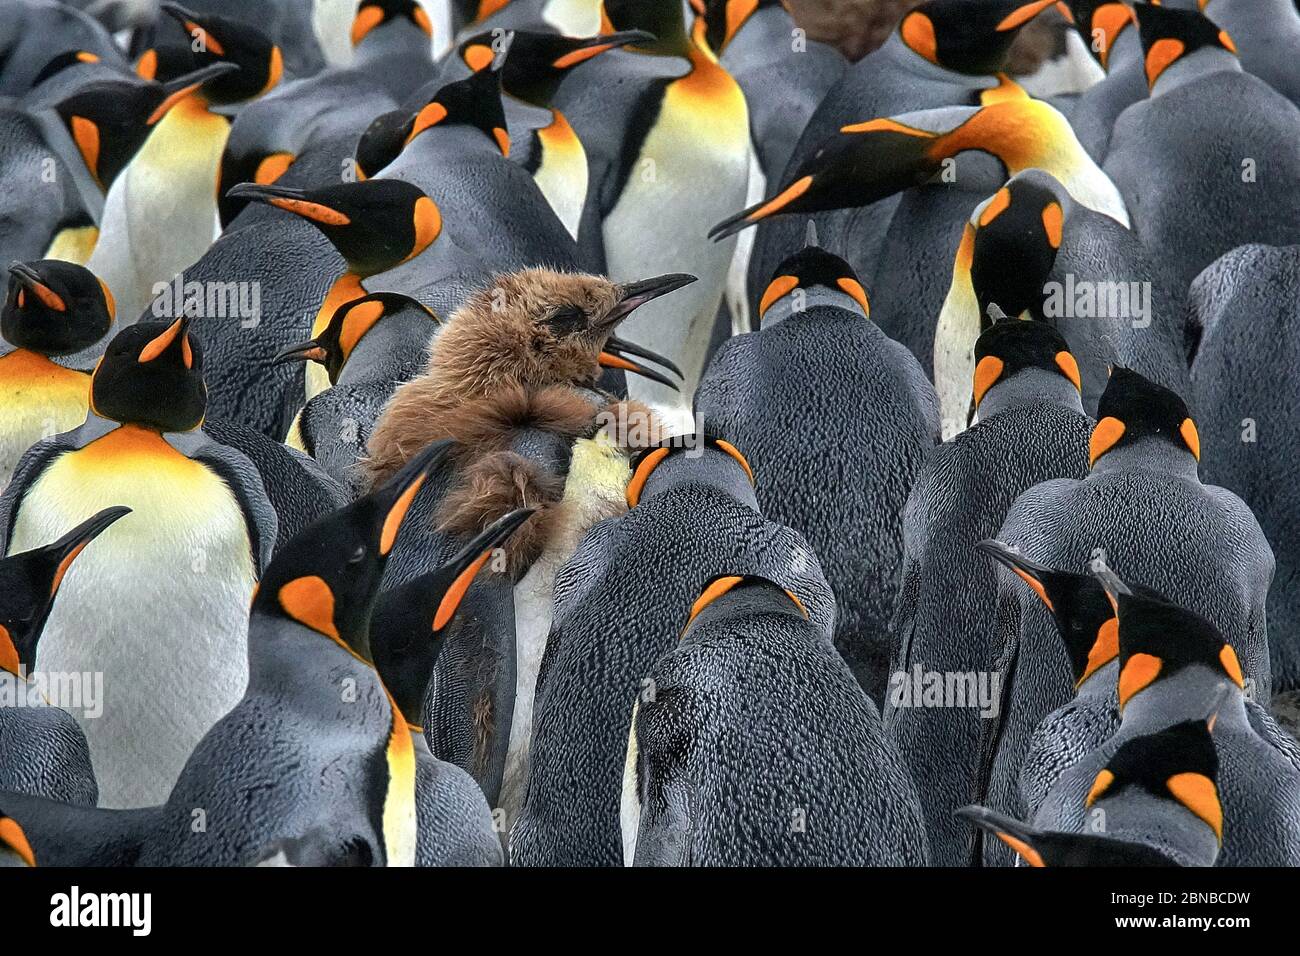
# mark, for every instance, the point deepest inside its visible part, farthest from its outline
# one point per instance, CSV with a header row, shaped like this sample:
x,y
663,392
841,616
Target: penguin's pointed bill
x,y
215,38
349,324
177,89
1032,572
1020,837
457,574
30,582
615,355
633,295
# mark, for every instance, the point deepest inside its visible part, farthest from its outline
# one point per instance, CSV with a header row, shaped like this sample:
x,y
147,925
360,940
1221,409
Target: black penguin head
x,y
411,620
1085,617
15,849
1178,764
218,39
1133,408
1016,238
372,14
646,461
382,142
666,22
64,61
29,582
474,101
967,37
809,268
1012,345
1158,639
326,578
1169,34
1100,23
375,225
109,119
151,375
55,307
349,324
1050,848
755,593
538,61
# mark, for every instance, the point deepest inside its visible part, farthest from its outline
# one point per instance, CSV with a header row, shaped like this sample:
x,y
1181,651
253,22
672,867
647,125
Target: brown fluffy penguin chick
x,y
524,353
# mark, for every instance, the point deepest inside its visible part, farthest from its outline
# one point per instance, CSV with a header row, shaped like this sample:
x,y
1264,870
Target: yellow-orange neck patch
x,y
715,590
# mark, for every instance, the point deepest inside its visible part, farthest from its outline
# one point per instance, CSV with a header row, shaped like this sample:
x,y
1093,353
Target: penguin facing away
x,y
1031,429
857,396
42,750
711,779
1143,509
1109,31
52,309
181,567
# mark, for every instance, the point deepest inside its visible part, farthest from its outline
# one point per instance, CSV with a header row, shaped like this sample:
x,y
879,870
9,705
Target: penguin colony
x,y
566,432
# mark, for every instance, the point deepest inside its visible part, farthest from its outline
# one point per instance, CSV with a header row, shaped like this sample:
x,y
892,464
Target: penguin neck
x,y
803,300
1152,453
1101,682
1125,49
1193,66
452,139
397,338
694,466
1185,695
743,603
1027,387
279,646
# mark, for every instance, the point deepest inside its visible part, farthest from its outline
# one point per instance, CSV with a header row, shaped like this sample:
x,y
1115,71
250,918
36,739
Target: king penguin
x,y
666,132
1031,429
1207,162
1109,31
161,215
392,41
181,567
1171,662
1267,33
1032,250
1245,303
710,778
1143,510
691,509
52,309
820,381
42,749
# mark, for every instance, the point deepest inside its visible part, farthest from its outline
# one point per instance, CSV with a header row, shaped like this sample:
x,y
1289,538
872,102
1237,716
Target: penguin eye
x,y
567,319
358,555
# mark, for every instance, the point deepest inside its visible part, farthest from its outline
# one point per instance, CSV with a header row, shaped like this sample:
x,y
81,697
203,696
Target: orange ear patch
x,y
917,31
853,289
422,20
12,836
1139,672
999,204
1023,849
1198,794
456,593
155,347
1226,42
1104,649
1069,368
734,452
711,593
396,514
367,18
503,140
8,651
147,66
1191,436
1231,665
643,471
1099,787
1022,15
431,115
427,220
1108,431
210,43
49,298
776,289
987,372
86,135
1160,56
1053,224
310,602
479,56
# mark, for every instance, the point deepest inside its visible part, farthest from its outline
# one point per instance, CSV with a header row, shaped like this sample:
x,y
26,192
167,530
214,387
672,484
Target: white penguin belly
x,y
954,345
158,604
692,173
38,399
574,18
562,175
160,216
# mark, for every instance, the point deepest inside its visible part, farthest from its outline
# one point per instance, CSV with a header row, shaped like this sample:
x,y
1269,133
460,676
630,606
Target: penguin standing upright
x,y
819,381
161,215
711,779
178,572
42,750
1109,30
1143,510
1207,162
1032,429
1171,661
1032,250
1245,303
691,508
666,131
52,309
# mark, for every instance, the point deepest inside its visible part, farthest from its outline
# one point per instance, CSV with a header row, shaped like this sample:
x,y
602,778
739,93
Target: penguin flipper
x,y
245,483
